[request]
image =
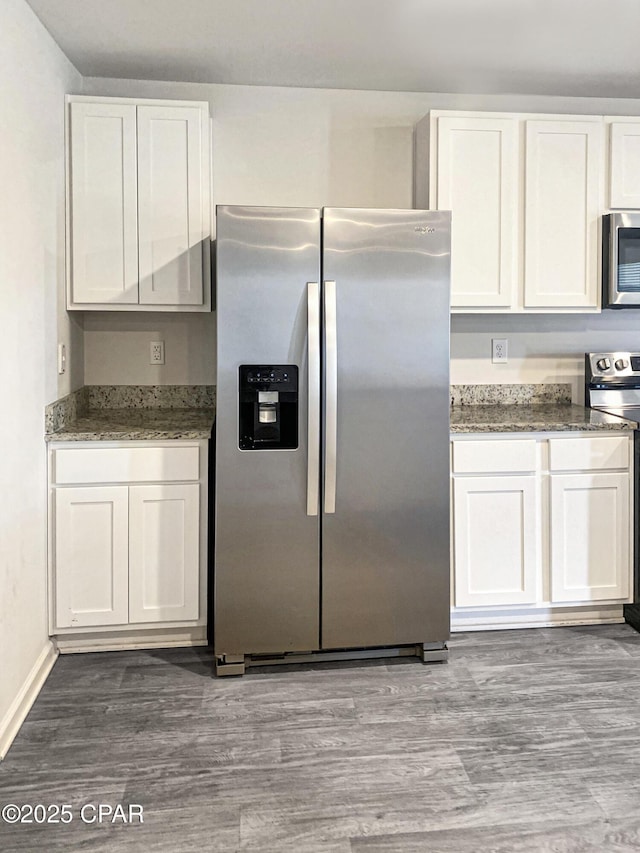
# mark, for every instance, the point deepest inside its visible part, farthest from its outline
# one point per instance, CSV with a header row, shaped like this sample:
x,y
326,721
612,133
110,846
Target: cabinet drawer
x,y
497,457
125,465
588,454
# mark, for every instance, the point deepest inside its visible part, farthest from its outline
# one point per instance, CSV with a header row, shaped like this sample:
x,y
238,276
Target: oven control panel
x,y
617,366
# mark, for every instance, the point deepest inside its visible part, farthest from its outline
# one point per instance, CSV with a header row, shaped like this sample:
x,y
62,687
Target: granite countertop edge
x,y
137,425
140,413
133,435
559,417
197,424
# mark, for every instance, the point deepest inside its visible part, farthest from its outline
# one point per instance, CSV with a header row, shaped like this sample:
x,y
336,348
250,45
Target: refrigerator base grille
x,y
236,665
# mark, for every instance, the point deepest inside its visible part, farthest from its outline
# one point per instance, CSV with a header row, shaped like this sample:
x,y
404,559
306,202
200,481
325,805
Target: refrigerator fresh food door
x,y
385,522
266,595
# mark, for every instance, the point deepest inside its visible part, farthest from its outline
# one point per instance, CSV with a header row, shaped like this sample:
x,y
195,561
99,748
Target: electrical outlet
x,y
499,350
156,352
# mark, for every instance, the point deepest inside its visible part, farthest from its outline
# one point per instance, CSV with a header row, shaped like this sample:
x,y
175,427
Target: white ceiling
x,y
545,47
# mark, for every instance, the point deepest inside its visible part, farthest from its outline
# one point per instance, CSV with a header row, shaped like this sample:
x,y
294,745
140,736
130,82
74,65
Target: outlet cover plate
x,y
499,350
156,352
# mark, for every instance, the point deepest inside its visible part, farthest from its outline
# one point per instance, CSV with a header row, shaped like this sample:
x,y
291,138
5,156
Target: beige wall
x,y
117,349
34,75
542,348
312,147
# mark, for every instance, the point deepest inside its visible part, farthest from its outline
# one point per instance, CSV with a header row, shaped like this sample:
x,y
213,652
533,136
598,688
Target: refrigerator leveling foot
x,y
433,652
230,665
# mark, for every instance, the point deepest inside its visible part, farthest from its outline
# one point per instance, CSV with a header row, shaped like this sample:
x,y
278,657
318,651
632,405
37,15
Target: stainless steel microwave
x,y
621,260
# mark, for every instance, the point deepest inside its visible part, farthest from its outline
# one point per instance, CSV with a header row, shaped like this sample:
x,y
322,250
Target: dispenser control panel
x,y
268,406
270,377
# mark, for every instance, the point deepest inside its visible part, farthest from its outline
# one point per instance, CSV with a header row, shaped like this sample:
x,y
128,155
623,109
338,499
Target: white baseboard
x,y
21,705
506,618
110,641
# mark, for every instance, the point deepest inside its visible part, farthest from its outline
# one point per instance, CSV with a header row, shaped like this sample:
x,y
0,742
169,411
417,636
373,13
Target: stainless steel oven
x,y
621,260
612,384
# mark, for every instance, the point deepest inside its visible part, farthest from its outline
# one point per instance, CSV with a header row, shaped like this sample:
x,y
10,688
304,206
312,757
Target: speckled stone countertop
x,y
536,417
511,394
137,425
544,407
132,413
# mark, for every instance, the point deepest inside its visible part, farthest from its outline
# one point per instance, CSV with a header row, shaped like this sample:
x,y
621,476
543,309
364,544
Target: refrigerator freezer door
x,y
385,549
266,595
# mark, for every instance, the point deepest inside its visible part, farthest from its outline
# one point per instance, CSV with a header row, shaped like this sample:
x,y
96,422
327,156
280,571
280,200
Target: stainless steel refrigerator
x,y
332,435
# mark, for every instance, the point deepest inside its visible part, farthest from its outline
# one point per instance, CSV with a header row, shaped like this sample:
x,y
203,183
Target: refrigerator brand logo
x,y
424,229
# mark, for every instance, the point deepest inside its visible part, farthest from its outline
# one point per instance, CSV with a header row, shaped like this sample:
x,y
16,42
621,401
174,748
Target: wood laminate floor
x,y
524,741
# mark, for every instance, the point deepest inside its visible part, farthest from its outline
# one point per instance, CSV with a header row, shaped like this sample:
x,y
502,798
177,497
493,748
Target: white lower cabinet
x,y
91,556
589,537
496,540
163,552
541,529
128,556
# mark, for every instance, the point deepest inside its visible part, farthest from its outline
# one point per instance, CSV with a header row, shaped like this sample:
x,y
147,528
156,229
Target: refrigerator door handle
x,y
313,391
331,396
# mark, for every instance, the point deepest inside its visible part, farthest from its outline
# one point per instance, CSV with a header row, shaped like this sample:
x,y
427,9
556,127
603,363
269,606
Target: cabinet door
x,y
103,197
173,204
91,556
590,549
625,165
563,198
164,553
496,540
477,179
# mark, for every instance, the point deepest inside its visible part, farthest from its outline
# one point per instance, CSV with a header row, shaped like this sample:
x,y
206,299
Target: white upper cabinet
x,y
138,205
525,192
563,199
172,205
104,234
477,179
624,162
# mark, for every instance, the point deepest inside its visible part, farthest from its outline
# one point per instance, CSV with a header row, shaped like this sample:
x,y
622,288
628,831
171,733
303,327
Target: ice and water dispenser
x,y
268,407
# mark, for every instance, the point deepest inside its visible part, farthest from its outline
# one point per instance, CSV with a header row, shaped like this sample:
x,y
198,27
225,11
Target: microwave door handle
x,y
331,396
313,396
